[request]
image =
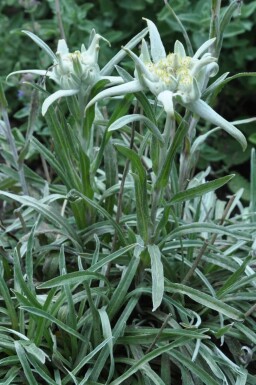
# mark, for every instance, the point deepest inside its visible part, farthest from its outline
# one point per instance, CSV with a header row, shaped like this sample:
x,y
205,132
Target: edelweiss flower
x,y
74,72
174,77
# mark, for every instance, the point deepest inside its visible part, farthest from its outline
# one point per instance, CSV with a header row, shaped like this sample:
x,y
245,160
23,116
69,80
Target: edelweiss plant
x,y
174,77
74,72
119,262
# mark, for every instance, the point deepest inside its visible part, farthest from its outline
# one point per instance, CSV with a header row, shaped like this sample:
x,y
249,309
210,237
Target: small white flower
x,y
174,77
74,72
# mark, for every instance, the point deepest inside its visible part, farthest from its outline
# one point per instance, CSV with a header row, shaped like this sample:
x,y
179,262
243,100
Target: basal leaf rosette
x,y
174,78
74,72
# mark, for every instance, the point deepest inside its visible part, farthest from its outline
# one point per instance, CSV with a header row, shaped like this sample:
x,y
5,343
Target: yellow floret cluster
x,y
172,69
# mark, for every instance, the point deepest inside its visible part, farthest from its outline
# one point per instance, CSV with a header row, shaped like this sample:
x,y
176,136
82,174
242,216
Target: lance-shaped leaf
x,y
157,273
122,89
121,54
41,44
202,109
127,119
205,300
204,48
140,182
198,191
34,72
55,96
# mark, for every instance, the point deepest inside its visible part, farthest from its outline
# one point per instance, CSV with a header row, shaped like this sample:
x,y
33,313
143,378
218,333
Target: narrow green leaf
x,y
49,157
8,301
233,278
73,194
140,182
51,318
205,227
30,296
107,334
127,119
148,357
248,332
198,191
205,300
196,369
157,273
123,287
46,211
41,44
87,358
164,174
111,257
74,278
11,374
121,54
38,353
147,108
25,364
224,23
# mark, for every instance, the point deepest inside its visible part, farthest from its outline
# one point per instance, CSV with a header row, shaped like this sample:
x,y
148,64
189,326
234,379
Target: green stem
x,y
58,14
168,136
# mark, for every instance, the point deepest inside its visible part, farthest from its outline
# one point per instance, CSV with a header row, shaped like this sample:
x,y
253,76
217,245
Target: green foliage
x,y
122,258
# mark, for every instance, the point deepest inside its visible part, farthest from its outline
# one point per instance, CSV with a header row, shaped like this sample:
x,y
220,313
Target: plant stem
x,y
168,136
58,14
121,191
18,165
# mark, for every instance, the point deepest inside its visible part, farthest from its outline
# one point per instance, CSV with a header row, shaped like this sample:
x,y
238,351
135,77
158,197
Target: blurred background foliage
x,y
119,22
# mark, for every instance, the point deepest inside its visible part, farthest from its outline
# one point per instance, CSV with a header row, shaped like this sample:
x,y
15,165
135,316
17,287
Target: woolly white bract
x,y
74,72
174,78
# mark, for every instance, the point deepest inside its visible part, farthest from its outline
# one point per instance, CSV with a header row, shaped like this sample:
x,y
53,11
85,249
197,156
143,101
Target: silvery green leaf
x,y
122,89
166,98
202,109
216,84
121,54
107,334
32,349
156,46
203,48
139,246
41,44
55,96
157,273
179,49
201,139
34,72
124,120
114,80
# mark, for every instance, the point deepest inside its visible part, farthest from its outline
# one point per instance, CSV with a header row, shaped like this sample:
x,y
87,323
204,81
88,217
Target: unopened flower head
x,y
75,72
79,69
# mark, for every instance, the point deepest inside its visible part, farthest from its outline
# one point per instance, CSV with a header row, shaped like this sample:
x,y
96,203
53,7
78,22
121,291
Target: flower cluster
x,y
173,78
79,69
74,72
